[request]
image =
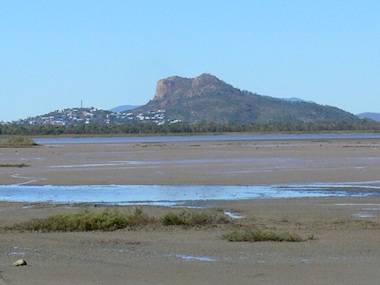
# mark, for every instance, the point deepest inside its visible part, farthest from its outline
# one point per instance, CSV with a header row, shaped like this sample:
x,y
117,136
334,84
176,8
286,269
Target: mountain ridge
x,y
370,115
123,108
206,98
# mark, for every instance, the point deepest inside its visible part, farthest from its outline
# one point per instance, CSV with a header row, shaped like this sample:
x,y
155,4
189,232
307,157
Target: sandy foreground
x,y
345,248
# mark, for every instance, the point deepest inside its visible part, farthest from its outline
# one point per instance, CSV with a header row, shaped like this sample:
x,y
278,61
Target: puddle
x,y
27,207
365,207
16,253
29,179
357,204
233,215
119,250
364,215
337,258
178,195
177,256
371,209
192,257
22,251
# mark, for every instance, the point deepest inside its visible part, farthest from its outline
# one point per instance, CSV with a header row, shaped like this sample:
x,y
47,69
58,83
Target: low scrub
x,y
17,141
20,165
261,235
192,218
85,220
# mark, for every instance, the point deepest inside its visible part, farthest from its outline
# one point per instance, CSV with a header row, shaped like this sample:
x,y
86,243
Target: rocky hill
x,y
209,99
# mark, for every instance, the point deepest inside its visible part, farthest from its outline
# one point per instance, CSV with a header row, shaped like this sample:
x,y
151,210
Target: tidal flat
x,y
340,234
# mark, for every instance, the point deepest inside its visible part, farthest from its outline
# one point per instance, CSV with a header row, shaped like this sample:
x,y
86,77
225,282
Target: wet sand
x,y
215,163
345,231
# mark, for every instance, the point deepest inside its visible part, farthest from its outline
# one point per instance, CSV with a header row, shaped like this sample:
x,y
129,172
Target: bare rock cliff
x,y
176,87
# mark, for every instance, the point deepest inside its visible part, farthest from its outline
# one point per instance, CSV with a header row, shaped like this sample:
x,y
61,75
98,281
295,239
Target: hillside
x,y
209,99
371,116
82,116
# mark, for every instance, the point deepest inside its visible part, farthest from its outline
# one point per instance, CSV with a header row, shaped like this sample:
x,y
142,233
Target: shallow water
x,y
177,195
233,215
232,137
191,257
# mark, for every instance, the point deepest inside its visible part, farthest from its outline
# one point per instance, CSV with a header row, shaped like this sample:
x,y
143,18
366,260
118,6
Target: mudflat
x,y
215,163
341,235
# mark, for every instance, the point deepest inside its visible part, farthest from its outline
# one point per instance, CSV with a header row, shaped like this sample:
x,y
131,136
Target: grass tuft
x,y
192,218
17,141
20,165
85,220
261,235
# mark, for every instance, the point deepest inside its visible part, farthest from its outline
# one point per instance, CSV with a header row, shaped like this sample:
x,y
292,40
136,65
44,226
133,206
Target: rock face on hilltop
x,y
179,87
208,99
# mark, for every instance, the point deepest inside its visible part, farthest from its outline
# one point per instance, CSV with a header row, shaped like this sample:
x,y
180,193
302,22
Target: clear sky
x,y
55,53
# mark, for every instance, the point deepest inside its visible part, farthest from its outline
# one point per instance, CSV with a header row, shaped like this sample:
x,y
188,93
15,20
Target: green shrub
x,y
192,218
85,220
18,141
19,165
260,235
172,219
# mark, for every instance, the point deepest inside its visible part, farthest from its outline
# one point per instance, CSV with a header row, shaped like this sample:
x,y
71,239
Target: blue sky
x,y
53,54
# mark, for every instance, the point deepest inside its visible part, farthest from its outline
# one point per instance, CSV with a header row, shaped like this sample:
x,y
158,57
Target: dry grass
x,y
193,218
85,220
114,219
20,165
111,219
261,235
17,141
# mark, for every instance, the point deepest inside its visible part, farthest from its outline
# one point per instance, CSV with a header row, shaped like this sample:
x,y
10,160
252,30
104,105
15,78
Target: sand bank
x,y
215,163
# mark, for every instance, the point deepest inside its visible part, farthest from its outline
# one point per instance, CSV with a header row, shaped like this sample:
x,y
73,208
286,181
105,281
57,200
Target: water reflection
x,y
173,195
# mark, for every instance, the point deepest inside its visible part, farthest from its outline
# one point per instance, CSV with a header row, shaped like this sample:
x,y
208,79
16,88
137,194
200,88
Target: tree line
x,y
183,128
